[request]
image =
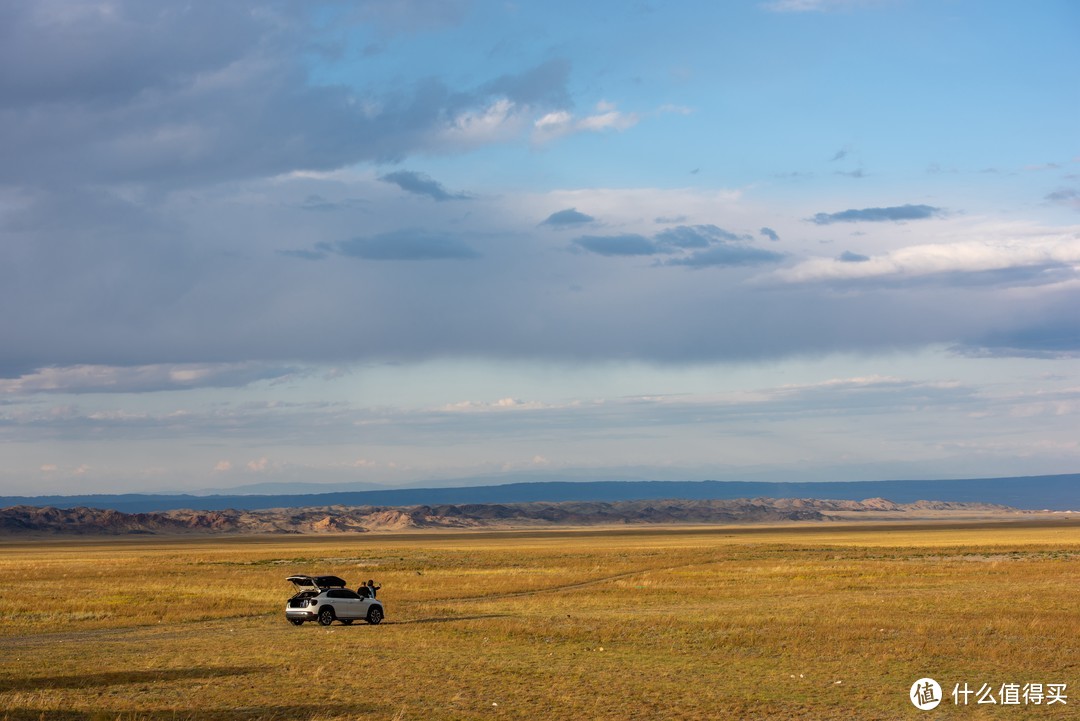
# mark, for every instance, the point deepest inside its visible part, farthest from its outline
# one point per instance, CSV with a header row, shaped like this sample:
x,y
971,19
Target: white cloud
x,y
554,119
500,405
1056,250
612,119
500,121
503,120
561,123
259,465
91,378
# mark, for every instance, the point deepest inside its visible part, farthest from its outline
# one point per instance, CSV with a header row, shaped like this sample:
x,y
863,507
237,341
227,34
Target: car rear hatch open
x,y
316,583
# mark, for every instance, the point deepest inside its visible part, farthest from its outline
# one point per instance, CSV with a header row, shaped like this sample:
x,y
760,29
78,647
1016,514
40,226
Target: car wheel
x,y
326,616
374,615
296,621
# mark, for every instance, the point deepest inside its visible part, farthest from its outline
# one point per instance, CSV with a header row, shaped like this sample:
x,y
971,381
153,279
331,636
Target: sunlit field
x,y
814,622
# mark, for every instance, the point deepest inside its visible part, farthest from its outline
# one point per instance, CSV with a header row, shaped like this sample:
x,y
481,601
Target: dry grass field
x,y
804,622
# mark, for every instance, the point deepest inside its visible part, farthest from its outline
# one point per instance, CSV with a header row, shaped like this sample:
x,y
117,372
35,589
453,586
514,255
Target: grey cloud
x,y
1065,196
1054,335
770,234
114,54
1015,277
143,379
312,421
1022,276
570,216
403,245
857,173
683,237
664,220
1007,351
617,245
421,184
544,85
848,257
104,293
304,254
410,16
319,203
692,246
697,236
204,92
89,261
878,215
727,255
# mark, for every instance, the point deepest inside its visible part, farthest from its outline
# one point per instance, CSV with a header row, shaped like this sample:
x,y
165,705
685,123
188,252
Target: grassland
x,y
813,622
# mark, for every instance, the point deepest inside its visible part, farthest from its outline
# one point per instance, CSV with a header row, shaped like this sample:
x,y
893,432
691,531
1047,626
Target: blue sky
x,y
391,243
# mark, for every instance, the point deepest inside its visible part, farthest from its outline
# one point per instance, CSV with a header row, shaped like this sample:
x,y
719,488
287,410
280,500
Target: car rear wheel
x,y
296,621
326,616
374,615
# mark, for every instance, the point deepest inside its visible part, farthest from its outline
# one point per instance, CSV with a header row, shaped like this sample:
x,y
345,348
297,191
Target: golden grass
x,y
816,622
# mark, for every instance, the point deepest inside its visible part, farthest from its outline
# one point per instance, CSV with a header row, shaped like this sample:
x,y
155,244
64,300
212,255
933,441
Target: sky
x,y
410,242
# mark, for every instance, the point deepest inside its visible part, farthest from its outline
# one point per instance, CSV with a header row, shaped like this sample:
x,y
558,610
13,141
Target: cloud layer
x,y
277,238
699,246
212,92
878,215
421,184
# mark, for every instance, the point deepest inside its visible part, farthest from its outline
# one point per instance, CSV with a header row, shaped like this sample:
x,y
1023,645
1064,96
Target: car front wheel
x,y
326,616
374,615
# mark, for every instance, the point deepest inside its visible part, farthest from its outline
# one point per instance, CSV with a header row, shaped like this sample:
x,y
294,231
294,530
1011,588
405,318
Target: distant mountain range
x,y
1059,492
50,521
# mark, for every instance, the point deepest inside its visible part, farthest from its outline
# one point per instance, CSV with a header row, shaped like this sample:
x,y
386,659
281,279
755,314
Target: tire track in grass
x,y
578,584
145,632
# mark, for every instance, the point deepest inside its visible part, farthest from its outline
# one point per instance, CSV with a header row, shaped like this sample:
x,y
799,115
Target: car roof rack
x,y
318,581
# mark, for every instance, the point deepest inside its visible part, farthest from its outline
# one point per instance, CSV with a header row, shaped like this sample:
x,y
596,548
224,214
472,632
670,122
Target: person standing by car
x,y
372,588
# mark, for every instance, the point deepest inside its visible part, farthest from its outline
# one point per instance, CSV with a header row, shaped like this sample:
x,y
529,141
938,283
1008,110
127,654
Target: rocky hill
x,y
32,520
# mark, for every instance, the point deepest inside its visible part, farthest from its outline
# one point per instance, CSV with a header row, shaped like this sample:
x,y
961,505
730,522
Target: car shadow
x,y
449,619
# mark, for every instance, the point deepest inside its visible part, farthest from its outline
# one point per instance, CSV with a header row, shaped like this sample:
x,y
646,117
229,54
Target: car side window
x,y
343,593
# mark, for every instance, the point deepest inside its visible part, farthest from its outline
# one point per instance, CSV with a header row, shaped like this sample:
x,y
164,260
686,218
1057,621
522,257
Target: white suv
x,y
325,599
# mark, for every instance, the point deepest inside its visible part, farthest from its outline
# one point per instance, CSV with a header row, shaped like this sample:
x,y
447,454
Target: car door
x,y
346,603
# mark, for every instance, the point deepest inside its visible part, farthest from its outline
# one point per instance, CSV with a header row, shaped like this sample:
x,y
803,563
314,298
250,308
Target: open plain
x,y
815,621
